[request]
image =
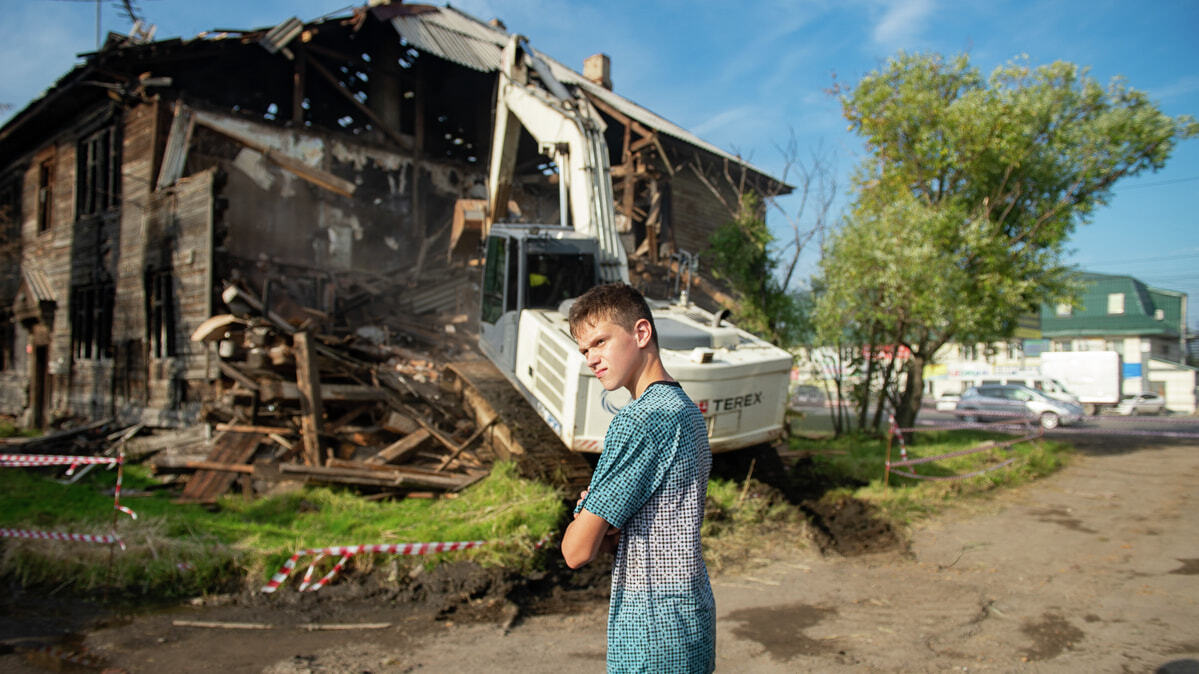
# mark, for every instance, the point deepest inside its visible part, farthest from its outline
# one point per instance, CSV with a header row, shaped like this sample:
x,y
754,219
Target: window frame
x,y
1115,304
98,172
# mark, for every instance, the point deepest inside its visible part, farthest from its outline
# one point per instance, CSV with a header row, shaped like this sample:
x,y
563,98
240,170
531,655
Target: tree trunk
x,y
864,403
913,392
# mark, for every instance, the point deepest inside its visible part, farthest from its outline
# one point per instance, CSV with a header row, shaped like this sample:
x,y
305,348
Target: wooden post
x,y
419,123
299,80
626,198
308,382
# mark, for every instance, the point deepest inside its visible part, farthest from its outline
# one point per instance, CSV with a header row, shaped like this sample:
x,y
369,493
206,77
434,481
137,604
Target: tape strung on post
x,y
59,536
962,476
73,462
348,552
891,466
39,460
961,452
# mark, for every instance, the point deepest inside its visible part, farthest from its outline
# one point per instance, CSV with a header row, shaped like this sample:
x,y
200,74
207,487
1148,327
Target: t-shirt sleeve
x,y
632,470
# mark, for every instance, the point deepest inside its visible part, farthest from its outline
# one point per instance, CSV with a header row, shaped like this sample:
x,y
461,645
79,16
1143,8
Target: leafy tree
x,y
961,210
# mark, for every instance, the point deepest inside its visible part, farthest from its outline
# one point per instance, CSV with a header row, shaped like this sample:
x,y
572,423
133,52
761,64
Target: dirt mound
x,y
850,527
843,524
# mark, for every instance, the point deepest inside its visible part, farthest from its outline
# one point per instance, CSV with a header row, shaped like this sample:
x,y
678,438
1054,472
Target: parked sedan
x,y
807,395
1016,403
948,402
1141,403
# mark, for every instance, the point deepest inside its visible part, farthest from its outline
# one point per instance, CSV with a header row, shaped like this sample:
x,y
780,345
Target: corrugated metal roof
x,y
459,37
454,36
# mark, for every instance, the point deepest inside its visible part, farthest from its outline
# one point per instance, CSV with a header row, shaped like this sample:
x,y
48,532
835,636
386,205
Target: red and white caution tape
x,y
311,569
59,536
962,476
962,452
341,563
903,447
116,493
40,460
348,551
43,460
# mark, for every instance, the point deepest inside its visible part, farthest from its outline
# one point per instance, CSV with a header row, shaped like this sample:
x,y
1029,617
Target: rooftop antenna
x,y
126,6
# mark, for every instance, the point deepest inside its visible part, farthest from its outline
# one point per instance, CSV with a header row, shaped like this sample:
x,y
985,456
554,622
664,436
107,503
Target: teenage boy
x,y
646,497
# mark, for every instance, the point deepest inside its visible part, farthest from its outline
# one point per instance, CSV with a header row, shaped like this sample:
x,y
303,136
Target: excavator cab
x,y
529,267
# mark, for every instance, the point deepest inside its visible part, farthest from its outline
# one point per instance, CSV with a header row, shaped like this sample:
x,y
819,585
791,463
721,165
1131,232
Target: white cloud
x,y
902,22
1184,86
724,118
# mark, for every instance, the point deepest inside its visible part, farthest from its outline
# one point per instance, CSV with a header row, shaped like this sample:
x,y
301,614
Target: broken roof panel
x,y
453,36
459,37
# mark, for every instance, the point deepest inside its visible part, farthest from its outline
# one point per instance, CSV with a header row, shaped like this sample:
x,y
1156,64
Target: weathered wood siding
x,y
697,213
184,219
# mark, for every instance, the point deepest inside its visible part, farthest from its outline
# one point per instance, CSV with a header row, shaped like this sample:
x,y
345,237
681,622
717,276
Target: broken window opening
x,y
10,213
8,336
91,320
99,174
45,195
160,312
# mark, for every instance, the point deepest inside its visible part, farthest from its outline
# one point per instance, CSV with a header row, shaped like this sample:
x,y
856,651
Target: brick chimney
x,y
597,68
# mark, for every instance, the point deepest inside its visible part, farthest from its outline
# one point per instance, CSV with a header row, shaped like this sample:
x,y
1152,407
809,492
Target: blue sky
x,y
745,75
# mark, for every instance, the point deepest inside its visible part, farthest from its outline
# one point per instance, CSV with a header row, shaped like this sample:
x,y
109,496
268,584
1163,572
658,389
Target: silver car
x,y
1141,403
1016,402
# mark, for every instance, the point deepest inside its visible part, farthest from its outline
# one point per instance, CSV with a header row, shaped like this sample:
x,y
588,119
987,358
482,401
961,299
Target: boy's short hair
x,y
619,303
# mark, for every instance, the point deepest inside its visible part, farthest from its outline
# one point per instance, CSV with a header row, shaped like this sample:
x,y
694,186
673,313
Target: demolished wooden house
x,y
299,180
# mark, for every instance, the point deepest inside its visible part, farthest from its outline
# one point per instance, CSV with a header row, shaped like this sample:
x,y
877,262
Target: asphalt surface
x,y
817,419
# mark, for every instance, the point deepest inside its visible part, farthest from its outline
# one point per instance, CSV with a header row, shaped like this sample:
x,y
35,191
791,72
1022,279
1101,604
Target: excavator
x,y
531,273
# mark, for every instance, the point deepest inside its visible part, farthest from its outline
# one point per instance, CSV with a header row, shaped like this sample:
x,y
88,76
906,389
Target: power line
x,y
1155,258
1160,183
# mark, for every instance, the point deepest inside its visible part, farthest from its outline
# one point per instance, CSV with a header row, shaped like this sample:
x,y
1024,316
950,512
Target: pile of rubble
x,y
293,404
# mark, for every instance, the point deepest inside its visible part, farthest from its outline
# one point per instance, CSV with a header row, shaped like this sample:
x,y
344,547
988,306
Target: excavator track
x,y
515,430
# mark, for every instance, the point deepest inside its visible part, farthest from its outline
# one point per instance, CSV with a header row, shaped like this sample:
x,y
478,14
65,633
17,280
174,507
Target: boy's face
x,y
614,354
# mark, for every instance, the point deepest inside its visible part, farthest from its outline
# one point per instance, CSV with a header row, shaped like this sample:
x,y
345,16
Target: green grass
x,y
177,550
743,519
180,550
8,430
859,461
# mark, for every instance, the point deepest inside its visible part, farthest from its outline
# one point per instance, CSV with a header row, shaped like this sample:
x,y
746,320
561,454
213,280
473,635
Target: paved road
x,y
1178,426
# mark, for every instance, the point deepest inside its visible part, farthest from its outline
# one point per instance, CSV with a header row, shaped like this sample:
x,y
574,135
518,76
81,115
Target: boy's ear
x,y
643,332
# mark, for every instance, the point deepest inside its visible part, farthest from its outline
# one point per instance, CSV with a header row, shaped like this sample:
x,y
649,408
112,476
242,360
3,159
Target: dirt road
x,y
1093,569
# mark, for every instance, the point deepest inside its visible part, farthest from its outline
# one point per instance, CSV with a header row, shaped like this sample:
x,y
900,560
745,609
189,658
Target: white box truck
x,y
1093,376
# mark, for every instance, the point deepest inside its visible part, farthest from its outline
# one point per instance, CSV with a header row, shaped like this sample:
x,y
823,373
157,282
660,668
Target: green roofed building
x,y
1146,326
1114,309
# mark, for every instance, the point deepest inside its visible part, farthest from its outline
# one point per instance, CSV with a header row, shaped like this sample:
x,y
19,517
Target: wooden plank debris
x,y
400,448
308,381
328,406
228,448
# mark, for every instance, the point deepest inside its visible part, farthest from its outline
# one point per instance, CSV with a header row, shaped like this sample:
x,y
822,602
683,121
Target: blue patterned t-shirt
x,y
651,483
